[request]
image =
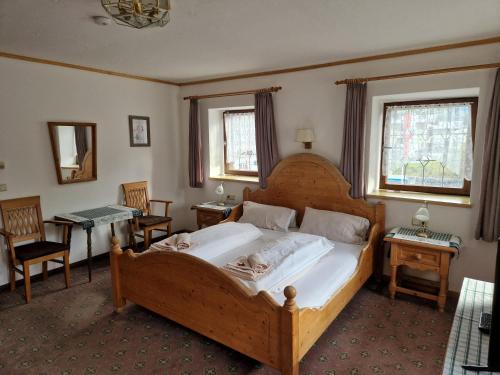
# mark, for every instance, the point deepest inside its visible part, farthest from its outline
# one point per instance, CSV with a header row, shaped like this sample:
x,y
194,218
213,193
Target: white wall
x,y
33,94
310,99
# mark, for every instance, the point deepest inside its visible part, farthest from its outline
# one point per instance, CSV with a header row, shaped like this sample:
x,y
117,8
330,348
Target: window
x,y
240,155
427,146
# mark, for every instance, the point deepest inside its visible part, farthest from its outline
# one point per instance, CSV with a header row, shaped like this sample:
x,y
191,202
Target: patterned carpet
x,y
76,332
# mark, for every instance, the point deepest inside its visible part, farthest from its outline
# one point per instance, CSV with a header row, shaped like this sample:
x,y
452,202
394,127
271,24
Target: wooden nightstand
x,y
210,213
424,257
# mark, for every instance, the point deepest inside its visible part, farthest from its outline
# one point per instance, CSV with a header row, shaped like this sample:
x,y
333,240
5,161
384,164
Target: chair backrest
x,y
22,217
136,196
85,170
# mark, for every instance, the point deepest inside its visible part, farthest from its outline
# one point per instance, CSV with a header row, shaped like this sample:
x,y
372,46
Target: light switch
x,y
2,164
3,187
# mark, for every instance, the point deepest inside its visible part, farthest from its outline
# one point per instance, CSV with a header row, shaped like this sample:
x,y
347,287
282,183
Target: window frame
x,y
227,170
465,190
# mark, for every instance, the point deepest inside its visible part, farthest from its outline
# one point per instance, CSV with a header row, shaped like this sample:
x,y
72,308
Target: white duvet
x,y
316,284
288,256
213,241
316,274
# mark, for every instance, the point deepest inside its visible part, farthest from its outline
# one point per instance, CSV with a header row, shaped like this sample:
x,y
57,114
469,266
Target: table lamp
x,y
422,217
219,191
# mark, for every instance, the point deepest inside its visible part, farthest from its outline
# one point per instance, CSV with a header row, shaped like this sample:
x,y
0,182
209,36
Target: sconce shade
x,y
304,135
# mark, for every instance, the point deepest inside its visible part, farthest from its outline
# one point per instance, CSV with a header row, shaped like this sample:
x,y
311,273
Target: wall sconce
x,y
306,136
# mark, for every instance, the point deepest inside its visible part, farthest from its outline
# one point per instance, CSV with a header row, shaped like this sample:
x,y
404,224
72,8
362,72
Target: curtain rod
x,y
419,73
234,93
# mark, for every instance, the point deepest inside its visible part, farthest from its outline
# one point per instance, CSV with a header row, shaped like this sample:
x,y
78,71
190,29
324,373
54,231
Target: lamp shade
x,y
304,135
219,190
422,214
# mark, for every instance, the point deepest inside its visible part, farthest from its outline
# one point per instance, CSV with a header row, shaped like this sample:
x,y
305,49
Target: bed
x,y
200,296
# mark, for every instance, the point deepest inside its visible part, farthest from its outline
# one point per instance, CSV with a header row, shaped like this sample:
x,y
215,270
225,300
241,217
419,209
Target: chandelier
x,y
138,13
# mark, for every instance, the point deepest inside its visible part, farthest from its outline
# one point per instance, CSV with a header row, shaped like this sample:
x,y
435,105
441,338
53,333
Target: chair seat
x,y
38,249
149,220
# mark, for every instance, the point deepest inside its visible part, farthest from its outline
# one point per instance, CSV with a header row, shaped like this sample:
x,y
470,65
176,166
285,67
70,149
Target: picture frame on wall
x,y
140,135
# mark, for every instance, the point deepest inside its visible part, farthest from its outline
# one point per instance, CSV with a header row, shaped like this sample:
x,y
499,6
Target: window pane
x,y
241,153
428,145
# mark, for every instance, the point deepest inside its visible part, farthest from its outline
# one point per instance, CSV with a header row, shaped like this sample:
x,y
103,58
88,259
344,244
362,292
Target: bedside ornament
x,y
421,219
219,191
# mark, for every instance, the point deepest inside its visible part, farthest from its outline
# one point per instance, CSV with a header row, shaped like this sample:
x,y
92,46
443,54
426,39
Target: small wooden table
x,y
418,254
100,216
210,213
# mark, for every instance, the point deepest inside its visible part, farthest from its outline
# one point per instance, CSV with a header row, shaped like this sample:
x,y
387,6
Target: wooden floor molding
x,y
383,56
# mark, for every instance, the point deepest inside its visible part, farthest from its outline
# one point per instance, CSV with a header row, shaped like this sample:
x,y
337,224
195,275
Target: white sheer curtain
x,y
240,141
436,137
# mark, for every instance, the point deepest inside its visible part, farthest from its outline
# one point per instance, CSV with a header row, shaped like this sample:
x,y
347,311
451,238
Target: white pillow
x,y
266,216
335,226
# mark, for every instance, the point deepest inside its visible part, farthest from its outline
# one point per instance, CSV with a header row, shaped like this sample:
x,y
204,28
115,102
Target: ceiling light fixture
x,y
138,13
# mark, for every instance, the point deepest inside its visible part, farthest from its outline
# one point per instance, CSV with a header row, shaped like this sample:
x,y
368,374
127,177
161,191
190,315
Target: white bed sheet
x,y
315,285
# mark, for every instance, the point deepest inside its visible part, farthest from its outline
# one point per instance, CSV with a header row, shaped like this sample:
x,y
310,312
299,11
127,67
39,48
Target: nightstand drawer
x,y
212,213
208,218
415,255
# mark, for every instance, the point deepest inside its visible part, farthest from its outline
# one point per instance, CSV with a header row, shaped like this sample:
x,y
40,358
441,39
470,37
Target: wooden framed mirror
x,y
74,150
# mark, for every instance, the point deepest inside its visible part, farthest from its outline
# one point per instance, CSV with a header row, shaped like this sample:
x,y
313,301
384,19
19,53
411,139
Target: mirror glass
x,y
73,148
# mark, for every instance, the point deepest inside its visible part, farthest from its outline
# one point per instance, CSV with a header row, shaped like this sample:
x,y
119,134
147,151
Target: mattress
x,y
314,285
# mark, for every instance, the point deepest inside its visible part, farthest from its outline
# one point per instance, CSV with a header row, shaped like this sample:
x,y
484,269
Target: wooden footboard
x,y
199,296
313,322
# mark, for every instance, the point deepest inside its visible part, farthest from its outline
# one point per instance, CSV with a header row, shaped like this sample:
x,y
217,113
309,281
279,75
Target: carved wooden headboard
x,y
309,180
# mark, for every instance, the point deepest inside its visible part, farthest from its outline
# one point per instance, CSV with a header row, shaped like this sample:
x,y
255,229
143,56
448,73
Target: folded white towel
x,y
176,242
183,241
169,244
242,267
257,262
281,260
172,240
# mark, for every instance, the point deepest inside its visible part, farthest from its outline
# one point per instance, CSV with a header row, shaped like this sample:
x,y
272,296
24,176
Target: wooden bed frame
x,y
200,296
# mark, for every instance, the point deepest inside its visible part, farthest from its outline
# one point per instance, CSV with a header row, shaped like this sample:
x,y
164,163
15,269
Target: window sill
x,y
251,179
439,199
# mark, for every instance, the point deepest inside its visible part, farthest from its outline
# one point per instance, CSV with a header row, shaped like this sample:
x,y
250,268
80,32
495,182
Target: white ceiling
x,y
209,38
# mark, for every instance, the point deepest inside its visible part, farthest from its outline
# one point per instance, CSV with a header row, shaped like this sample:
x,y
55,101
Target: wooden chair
x,y
85,170
22,222
136,196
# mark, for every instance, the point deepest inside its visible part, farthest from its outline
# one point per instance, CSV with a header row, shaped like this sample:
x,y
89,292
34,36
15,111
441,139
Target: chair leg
x,y
67,275
131,235
27,282
169,229
45,271
12,278
147,238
